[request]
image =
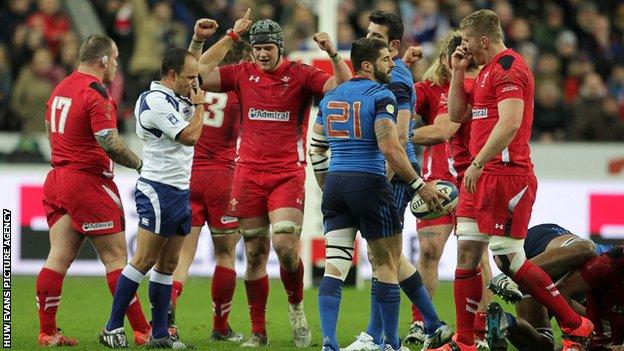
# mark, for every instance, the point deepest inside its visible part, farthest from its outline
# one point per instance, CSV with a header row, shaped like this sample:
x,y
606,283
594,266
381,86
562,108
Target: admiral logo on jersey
x,y
478,113
264,115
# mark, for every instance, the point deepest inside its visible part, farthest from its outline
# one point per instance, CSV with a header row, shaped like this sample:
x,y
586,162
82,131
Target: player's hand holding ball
x,y
434,200
204,28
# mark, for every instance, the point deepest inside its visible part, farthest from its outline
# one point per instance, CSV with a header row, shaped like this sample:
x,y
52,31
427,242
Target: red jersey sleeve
x,y
230,76
509,83
315,79
100,108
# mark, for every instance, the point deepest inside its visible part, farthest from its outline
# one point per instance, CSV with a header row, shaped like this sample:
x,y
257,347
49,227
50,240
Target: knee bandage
x,y
223,232
262,231
339,251
286,227
502,246
470,231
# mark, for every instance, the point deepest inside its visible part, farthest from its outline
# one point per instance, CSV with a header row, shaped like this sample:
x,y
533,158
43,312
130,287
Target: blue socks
x,y
127,286
416,292
375,326
389,303
329,295
159,292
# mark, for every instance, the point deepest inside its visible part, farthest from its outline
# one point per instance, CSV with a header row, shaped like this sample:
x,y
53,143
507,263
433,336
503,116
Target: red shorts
x,y
503,204
92,201
210,195
256,193
444,220
465,206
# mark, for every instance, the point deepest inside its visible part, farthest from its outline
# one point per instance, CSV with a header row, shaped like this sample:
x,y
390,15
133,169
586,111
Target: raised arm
x,y
457,100
342,72
440,131
117,150
209,60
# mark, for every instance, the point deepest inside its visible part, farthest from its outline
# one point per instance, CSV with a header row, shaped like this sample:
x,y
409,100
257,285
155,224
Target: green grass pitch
x,y
85,305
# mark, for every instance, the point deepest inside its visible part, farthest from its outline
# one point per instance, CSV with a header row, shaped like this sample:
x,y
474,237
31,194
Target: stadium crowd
x,y
575,48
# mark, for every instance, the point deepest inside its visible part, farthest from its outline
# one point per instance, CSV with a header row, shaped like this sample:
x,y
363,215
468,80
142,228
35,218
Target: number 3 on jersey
x,y
60,107
346,111
214,109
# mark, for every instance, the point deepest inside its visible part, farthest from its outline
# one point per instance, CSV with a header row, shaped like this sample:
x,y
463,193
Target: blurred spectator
x,y
345,36
6,80
459,10
68,54
11,16
530,53
30,94
155,32
547,33
25,42
596,115
424,23
548,68
300,29
117,20
616,86
505,14
550,117
53,23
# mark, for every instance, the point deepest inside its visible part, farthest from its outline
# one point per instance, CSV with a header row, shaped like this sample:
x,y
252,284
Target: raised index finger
x,y
247,13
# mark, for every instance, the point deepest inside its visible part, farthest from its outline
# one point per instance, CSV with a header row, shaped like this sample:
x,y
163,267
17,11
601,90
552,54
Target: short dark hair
x,y
390,20
174,60
365,49
240,50
95,47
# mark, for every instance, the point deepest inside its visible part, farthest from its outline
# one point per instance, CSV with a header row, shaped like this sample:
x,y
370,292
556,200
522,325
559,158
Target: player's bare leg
x,y
431,241
112,251
387,253
65,243
224,283
255,233
286,225
180,275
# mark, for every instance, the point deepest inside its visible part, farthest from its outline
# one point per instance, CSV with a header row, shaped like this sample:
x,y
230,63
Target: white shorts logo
x,y
87,227
145,221
228,219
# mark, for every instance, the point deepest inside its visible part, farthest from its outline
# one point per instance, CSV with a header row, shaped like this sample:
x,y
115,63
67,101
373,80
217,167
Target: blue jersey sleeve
x,y
402,93
386,107
319,116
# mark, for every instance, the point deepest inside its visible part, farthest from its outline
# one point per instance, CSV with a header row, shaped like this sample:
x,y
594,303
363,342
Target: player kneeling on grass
x,y
357,122
211,179
557,251
169,120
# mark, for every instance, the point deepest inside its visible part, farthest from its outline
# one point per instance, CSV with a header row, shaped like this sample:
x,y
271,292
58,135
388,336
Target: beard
x,y
380,76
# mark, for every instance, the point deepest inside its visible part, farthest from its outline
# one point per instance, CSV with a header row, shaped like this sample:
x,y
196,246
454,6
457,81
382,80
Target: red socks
x,y
293,283
176,291
134,312
223,284
468,289
538,284
479,325
416,315
48,288
257,296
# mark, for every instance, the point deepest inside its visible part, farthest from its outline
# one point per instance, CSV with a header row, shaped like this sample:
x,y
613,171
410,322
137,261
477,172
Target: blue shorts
x,y
361,200
402,193
539,236
163,209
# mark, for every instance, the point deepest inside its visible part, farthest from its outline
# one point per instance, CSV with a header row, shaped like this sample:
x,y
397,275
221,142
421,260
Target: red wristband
x,y
230,33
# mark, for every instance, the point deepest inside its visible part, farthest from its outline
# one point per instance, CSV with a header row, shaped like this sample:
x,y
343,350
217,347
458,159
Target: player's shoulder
x,y
510,60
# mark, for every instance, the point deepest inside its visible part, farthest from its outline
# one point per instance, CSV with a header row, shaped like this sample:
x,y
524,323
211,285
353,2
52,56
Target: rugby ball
x,y
420,209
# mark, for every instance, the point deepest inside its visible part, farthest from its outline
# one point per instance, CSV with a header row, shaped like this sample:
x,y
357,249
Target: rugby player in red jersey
x,y
268,187
499,186
80,198
211,180
446,157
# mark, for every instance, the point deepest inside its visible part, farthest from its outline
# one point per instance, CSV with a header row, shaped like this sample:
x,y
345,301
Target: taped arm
x,y
318,154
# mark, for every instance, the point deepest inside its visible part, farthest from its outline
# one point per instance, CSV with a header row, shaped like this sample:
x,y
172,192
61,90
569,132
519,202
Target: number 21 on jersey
x,y
344,117
60,107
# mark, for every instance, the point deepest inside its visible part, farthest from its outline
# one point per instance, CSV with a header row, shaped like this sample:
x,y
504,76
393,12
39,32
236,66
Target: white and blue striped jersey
x,y
160,116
